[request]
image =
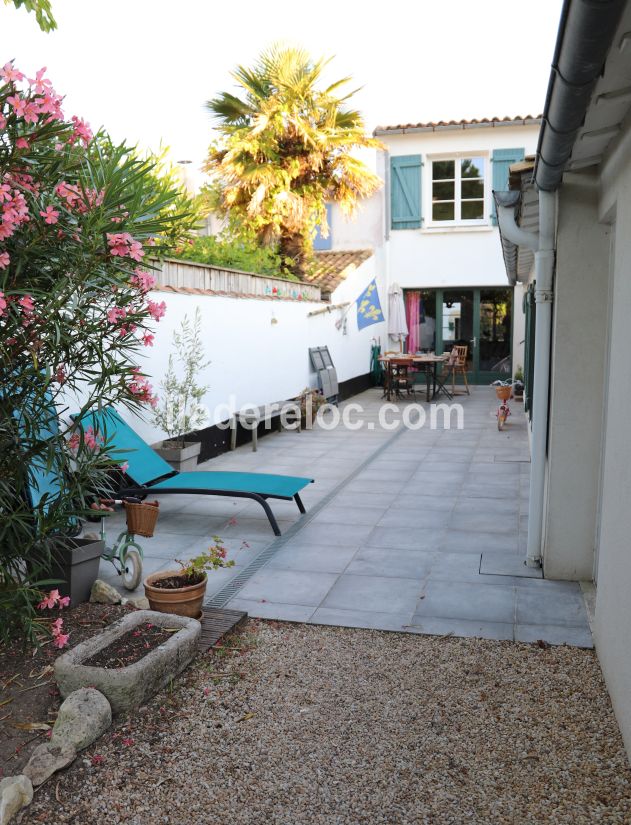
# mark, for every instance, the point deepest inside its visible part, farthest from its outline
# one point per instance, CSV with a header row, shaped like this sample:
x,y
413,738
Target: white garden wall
x,y
255,361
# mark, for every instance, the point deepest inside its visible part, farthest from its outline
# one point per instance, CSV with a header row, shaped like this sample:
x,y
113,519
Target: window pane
x,y
443,211
442,169
472,210
472,189
443,191
472,168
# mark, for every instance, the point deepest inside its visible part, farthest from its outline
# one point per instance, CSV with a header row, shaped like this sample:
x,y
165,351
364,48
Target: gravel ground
x,y
328,726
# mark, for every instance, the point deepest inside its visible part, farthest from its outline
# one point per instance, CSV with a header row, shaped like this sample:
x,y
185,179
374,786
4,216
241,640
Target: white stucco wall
x,y
613,600
577,380
255,361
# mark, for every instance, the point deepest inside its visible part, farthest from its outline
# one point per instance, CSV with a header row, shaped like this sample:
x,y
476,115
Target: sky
x,y
145,68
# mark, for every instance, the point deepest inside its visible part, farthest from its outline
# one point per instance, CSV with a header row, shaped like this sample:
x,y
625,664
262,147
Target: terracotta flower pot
x,y
183,601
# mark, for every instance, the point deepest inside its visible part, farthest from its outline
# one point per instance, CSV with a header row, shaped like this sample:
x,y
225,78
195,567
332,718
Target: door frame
x,y
477,376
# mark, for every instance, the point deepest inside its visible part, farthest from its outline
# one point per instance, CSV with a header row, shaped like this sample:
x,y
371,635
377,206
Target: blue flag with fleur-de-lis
x,y
368,307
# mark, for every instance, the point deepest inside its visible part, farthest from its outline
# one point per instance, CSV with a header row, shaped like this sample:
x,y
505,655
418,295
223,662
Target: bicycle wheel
x,y
501,418
132,569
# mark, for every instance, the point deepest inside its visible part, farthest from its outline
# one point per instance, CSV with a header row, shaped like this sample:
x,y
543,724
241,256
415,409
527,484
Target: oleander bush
x,y
78,216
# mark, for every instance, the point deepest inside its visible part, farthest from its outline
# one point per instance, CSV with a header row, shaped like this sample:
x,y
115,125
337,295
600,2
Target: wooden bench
x,y
287,412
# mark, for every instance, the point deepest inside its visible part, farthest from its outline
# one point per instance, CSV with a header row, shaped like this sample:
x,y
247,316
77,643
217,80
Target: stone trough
x,y
129,687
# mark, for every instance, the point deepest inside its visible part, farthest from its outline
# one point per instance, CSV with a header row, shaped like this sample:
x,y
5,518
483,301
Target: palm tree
x,y
286,148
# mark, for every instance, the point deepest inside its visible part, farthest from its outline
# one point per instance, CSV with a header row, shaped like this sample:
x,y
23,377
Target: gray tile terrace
x,y
413,530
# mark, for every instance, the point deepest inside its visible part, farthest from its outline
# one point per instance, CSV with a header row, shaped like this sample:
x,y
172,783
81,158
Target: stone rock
x,y
139,602
16,792
46,759
104,593
82,718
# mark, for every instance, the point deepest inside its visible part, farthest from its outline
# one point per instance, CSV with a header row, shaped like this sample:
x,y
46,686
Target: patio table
x,y
427,363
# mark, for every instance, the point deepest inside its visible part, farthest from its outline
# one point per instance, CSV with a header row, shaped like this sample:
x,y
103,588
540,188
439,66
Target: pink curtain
x,y
412,306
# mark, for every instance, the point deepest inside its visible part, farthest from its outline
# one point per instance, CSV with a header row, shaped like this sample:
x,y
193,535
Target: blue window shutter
x,y
502,159
405,191
320,243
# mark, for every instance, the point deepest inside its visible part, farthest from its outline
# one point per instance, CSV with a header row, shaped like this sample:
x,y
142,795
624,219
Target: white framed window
x,y
458,190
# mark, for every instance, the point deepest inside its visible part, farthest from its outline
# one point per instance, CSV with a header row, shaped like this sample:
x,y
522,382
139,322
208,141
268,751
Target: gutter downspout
x,y
543,245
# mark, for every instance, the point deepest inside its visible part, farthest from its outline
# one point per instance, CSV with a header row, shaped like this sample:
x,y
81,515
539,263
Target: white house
x,y
433,231
566,231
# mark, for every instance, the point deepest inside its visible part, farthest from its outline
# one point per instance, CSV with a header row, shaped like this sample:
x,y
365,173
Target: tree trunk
x,y
297,247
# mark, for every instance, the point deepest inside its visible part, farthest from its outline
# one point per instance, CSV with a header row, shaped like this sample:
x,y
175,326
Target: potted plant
x,y
180,411
182,591
518,384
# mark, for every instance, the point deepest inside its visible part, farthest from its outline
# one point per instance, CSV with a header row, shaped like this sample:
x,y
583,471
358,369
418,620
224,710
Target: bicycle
x,y
125,553
504,391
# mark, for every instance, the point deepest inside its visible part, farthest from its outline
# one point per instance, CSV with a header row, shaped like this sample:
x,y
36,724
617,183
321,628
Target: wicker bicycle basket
x,y
141,518
504,393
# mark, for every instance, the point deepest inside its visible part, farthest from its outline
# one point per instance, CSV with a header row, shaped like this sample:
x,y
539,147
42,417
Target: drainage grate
x,y
216,623
233,586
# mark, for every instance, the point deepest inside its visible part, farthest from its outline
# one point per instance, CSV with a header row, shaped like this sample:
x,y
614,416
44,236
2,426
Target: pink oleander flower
x,y
124,467
4,261
81,131
10,75
3,304
49,601
56,627
61,640
92,440
74,441
18,104
145,281
147,339
40,83
64,601
31,112
151,241
116,314
26,302
140,387
22,143
5,192
3,121
156,310
50,215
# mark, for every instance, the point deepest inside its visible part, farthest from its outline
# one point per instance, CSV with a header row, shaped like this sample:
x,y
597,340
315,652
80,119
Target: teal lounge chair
x,y
151,475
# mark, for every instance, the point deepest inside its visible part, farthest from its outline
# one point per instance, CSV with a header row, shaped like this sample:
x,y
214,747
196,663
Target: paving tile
x,y
377,593
408,501
332,514
484,521
320,558
541,606
341,535
408,564
464,600
465,541
508,564
492,506
460,627
288,586
420,518
554,634
361,618
455,567
272,610
406,538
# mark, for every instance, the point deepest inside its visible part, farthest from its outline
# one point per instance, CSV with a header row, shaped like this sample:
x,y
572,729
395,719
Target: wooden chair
x,y
457,365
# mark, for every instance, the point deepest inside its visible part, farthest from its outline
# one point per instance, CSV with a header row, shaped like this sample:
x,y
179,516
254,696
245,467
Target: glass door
x,y
480,319
495,335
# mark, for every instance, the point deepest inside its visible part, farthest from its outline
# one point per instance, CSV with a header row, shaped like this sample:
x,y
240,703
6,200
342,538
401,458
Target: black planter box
x,y
78,565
